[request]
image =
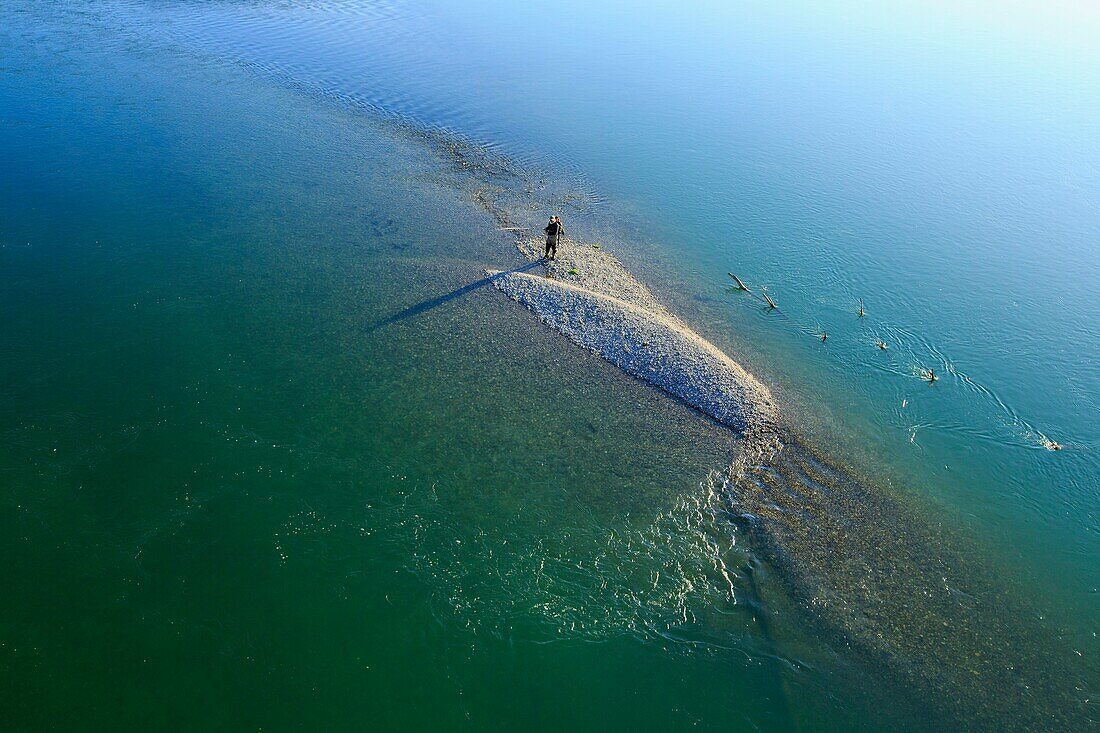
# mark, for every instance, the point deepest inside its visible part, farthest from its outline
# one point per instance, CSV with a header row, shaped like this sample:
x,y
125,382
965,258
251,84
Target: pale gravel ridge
x,y
638,335
594,268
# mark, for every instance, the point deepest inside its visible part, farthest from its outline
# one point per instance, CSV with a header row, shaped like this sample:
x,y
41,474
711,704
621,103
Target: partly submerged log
x,y
740,285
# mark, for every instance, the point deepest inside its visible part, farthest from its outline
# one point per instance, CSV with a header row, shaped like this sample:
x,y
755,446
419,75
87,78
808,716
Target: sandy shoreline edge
x,y
589,297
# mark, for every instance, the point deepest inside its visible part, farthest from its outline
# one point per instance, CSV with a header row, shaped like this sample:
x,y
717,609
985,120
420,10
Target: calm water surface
x,y
271,458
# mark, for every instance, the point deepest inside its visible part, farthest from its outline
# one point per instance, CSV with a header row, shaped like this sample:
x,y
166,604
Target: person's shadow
x,y
427,305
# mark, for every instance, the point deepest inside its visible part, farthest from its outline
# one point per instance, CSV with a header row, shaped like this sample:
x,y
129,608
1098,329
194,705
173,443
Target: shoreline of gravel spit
x,y
589,297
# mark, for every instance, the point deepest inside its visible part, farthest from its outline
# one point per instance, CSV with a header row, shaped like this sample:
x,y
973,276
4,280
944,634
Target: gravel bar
x,y
588,296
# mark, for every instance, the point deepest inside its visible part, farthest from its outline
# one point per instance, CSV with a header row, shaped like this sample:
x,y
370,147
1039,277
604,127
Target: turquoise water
x,y
269,462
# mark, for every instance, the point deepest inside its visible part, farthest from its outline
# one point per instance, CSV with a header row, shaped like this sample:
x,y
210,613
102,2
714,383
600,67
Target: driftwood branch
x,y
740,285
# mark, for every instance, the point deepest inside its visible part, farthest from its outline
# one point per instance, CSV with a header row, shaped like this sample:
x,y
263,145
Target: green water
x,y
268,461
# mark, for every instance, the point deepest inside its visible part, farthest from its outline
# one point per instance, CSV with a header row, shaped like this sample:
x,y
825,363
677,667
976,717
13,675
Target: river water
x,y
271,459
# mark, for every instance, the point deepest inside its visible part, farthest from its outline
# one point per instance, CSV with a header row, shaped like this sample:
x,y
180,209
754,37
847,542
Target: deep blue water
x,y
942,164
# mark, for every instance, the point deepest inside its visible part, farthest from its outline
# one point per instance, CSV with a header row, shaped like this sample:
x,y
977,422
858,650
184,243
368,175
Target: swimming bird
x,y
881,344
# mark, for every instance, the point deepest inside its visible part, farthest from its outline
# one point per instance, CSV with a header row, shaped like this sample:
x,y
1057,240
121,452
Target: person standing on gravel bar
x,y
553,230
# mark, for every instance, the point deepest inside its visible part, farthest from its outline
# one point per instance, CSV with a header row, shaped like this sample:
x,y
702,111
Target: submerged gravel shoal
x,y
588,296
